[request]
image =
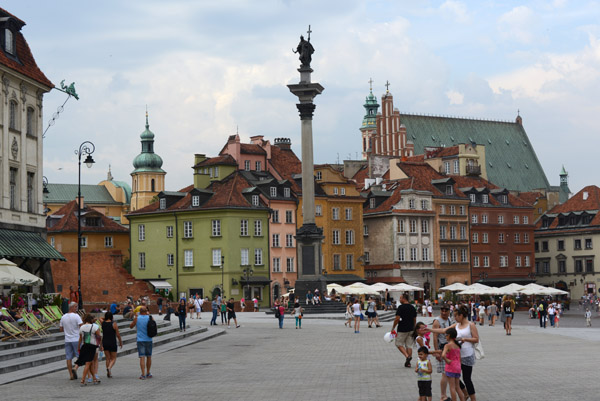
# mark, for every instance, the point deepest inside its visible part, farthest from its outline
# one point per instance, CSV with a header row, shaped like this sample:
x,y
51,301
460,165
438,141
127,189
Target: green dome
x,y
147,161
371,107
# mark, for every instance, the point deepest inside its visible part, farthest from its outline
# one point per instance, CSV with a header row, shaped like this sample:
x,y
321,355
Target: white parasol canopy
x,y
454,287
406,287
476,289
334,286
11,274
382,287
536,289
510,289
357,288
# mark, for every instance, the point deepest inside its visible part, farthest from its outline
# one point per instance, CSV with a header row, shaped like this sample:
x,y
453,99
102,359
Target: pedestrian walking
x,y
255,302
543,310
223,313
348,314
551,313
588,317
198,302
159,303
356,312
439,341
110,335
70,324
406,317
280,313
144,342
371,314
191,306
89,340
181,313
508,315
242,304
231,314
423,371
430,310
215,311
451,356
492,309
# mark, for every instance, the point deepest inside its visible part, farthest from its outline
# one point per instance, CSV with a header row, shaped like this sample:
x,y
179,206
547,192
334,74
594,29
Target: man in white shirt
x,y
198,305
69,324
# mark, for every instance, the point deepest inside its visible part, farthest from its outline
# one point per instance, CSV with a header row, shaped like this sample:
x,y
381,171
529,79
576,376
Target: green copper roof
x,y
92,194
126,189
510,157
371,107
563,171
147,161
24,244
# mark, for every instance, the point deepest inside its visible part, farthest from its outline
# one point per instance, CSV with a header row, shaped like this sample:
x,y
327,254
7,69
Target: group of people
x,y
86,339
452,345
297,311
226,308
354,313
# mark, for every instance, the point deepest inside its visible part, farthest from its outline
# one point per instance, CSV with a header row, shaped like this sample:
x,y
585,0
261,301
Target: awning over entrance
x,y
255,280
24,244
161,284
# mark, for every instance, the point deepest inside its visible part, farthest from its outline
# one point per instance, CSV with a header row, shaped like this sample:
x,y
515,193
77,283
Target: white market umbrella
x,y
453,287
476,289
11,274
334,286
510,289
535,289
406,287
382,287
358,288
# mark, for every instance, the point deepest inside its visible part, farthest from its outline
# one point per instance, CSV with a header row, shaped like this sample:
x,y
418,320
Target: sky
x,y
208,69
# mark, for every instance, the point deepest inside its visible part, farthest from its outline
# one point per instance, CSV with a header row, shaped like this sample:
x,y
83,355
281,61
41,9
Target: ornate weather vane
x,y
69,90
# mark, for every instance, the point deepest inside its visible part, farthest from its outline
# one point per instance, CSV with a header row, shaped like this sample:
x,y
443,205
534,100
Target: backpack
x,y
151,329
277,313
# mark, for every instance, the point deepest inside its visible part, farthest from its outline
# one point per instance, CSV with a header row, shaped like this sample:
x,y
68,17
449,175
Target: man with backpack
x,y
543,310
146,329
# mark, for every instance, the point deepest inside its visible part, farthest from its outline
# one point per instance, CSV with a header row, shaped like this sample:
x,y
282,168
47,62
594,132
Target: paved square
x,y
327,361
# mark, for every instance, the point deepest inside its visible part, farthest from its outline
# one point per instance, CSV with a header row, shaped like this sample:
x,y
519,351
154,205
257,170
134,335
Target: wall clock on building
x,y
14,148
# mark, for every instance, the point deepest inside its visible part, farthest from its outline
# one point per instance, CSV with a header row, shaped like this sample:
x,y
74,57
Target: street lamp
x,y
222,275
86,148
247,274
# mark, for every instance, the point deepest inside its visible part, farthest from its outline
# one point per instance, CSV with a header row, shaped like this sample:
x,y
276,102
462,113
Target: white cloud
x,y
455,97
457,9
517,24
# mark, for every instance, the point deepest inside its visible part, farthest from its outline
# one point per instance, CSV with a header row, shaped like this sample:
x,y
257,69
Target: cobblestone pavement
x,y
327,361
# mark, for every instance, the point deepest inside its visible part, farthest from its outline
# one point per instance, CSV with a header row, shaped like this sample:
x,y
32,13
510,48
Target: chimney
x,y
585,195
283,143
82,202
257,139
199,158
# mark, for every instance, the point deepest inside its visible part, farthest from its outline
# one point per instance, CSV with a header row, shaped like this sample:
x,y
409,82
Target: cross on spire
x,y
371,84
309,32
387,86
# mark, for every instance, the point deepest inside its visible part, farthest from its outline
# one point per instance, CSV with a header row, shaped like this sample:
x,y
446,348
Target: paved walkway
x,y
327,361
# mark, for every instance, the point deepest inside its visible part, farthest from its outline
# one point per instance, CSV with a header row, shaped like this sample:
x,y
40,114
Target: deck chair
x,y
34,325
5,313
12,332
50,313
47,316
56,310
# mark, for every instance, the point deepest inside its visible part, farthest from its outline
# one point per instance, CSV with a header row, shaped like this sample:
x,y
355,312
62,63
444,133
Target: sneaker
x,y
149,376
228,327
142,377
407,363
238,326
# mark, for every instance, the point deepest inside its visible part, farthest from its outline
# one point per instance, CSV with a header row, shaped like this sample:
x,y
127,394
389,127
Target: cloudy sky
x,y
207,68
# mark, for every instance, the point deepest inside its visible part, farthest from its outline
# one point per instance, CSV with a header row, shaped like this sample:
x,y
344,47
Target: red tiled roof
x,y
218,160
478,182
68,221
286,164
576,203
360,176
251,149
530,197
27,65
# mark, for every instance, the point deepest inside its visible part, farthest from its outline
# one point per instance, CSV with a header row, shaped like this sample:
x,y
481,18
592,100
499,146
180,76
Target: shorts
x,y
231,315
71,350
372,315
424,388
441,364
508,315
404,339
144,348
452,374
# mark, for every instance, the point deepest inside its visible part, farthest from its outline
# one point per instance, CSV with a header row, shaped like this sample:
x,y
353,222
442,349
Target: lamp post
x,y
222,275
86,148
247,274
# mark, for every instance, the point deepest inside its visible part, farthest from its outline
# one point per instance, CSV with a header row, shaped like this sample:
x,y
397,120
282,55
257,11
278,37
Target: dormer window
x,y
473,198
411,203
273,192
503,199
449,190
319,176
286,192
485,198
163,203
195,201
372,203
9,41
255,201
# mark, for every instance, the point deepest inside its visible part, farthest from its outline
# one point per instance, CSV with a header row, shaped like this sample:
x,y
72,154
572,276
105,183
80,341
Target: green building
x,y
201,240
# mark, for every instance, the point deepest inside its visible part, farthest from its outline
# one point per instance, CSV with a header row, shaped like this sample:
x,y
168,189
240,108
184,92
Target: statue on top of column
x,y
305,49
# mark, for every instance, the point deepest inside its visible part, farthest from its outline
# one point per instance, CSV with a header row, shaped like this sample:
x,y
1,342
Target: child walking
x,y
424,370
451,355
588,317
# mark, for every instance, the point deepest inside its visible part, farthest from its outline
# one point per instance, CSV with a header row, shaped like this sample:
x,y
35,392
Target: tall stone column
x,y
309,236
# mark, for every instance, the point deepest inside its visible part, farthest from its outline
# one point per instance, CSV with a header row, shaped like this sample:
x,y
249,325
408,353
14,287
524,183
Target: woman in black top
x,y
181,312
507,308
110,332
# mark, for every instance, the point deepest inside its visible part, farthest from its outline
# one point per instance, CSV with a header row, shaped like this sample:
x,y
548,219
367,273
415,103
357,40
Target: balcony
x,y
473,169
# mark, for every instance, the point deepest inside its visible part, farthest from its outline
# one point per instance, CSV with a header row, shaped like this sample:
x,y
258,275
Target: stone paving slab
x,y
327,361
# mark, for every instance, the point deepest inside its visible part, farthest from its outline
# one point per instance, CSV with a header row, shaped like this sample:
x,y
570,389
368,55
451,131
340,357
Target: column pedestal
x,y
310,277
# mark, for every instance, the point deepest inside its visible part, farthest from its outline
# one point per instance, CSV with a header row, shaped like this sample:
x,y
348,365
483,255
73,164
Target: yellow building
x,y
338,210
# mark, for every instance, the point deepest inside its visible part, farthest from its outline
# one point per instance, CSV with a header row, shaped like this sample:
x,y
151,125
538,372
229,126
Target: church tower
x,y
564,192
369,124
148,178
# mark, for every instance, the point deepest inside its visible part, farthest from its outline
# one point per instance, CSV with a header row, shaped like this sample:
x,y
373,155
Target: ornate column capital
x,y
306,110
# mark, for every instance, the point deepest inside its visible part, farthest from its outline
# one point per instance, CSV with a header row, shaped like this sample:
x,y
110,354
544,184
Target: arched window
x,y
30,121
13,115
135,185
152,185
276,291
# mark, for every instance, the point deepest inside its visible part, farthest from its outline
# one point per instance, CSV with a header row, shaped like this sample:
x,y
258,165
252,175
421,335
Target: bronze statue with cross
x,y
305,49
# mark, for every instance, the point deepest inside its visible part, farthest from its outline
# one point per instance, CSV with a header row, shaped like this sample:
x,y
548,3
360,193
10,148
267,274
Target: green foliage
x,y
127,265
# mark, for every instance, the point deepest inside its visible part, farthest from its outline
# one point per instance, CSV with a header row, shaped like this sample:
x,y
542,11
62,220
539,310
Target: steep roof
x,y
24,63
577,202
511,159
530,197
286,164
92,194
218,160
251,149
65,220
584,202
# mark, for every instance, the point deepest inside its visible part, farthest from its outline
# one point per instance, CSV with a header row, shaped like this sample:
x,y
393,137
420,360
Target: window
x,y
588,243
412,225
518,260
449,190
453,232
365,230
255,200
456,167
188,258
425,226
162,203
244,228
577,244
442,209
335,237
216,257
275,241
453,255
258,256
343,191
216,228
349,261
52,242
414,254
188,231
30,193
463,210
275,216
537,267
424,204
247,165
475,238
411,203
486,261
372,203
527,261
210,171
289,240
589,266
169,231
336,262
442,232
526,238
273,192
500,219
335,213
286,192
13,188
9,41
83,241
108,242
289,265
444,256
257,228
503,199
503,261
367,257
484,218
216,171
475,261
578,266
546,267
141,232
335,190
318,210
276,265
142,260
195,201
319,175
525,219
289,216
463,255
484,238
244,252
349,237
257,166
348,213
545,246
170,259
446,167
517,238
463,232
501,238
400,225
401,254
472,198
485,198
452,210
13,115
474,218
516,219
